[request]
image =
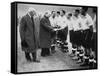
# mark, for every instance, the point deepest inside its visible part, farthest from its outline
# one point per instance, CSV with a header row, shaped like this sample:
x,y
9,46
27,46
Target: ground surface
x,y
58,61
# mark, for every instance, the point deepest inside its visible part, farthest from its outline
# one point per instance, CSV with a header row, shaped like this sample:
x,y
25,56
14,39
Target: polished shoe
x,y
49,54
29,59
72,55
91,65
64,51
53,51
79,61
38,61
75,58
84,64
43,55
95,66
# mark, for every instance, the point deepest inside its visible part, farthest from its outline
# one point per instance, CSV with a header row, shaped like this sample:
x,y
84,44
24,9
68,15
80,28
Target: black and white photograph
x,y
55,37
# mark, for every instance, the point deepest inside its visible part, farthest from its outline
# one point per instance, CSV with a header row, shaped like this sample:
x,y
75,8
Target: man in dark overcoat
x,y
29,33
45,34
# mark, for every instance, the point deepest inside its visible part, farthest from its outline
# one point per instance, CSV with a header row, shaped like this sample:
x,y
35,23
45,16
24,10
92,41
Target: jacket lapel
x,y
29,19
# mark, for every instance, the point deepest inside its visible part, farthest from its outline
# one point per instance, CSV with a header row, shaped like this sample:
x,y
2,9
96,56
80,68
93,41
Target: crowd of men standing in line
x,y
39,33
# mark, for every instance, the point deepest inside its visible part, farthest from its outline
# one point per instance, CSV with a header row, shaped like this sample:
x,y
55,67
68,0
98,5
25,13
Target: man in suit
x,y
29,33
45,34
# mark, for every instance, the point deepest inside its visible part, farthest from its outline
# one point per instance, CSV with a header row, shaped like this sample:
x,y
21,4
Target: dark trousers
x,y
34,56
45,52
28,57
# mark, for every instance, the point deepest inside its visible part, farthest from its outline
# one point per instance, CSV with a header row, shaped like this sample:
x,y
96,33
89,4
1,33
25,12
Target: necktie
x,y
32,19
33,28
32,22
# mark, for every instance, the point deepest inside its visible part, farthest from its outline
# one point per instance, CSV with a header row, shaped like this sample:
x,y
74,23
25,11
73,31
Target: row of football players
x,y
83,38
82,32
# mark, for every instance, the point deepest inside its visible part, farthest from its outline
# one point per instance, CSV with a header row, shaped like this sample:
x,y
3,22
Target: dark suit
x,y
45,34
29,35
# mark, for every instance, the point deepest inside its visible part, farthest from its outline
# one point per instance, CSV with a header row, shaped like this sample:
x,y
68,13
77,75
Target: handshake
x,y
56,28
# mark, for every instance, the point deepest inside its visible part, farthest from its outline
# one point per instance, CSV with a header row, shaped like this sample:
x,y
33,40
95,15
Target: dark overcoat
x,y
45,33
29,33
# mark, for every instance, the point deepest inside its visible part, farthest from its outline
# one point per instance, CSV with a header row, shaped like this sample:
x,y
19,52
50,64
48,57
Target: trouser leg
x,y
34,56
53,49
42,52
27,55
45,51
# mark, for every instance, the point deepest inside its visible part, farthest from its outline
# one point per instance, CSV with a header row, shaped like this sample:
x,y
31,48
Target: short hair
x,y
31,9
85,8
69,14
77,10
94,10
47,12
52,11
58,12
63,11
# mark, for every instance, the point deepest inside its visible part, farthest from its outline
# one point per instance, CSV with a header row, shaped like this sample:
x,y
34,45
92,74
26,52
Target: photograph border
x,y
14,36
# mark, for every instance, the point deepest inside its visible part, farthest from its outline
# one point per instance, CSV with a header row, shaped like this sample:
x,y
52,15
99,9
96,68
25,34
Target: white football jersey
x,y
86,21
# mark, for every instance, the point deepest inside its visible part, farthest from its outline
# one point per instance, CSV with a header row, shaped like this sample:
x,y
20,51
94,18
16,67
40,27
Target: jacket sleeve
x,y
22,28
46,25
